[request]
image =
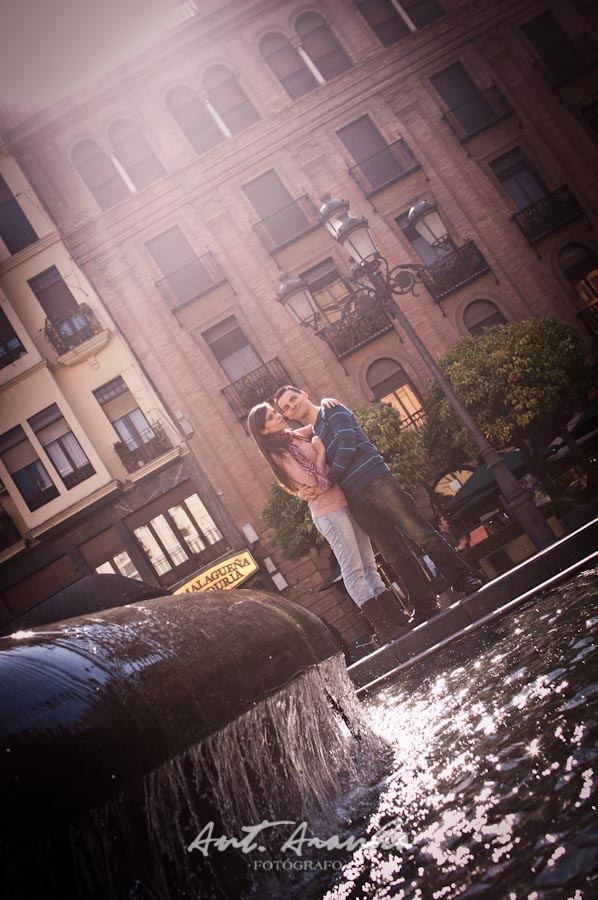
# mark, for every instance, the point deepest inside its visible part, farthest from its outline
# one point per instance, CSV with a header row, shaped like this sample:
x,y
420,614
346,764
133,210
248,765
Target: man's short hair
x,y
282,390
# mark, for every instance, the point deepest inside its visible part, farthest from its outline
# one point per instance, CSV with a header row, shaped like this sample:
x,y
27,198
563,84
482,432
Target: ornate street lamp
x,y
375,279
423,216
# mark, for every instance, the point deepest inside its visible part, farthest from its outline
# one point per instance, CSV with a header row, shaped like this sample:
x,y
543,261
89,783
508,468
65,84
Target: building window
x,y
232,349
482,314
228,99
376,160
321,46
99,174
282,219
71,323
54,434
427,253
140,442
11,347
26,469
328,289
135,154
470,110
519,178
392,21
106,554
194,120
15,229
579,265
178,534
390,384
183,270
559,57
287,65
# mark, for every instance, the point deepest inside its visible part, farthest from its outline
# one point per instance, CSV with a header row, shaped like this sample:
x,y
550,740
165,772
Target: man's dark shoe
x,y
467,585
392,609
424,614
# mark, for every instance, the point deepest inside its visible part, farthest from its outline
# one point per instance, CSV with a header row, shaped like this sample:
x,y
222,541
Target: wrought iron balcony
x,y
256,387
478,113
548,214
69,333
356,329
589,317
384,168
287,224
150,444
573,58
457,268
9,533
191,281
415,422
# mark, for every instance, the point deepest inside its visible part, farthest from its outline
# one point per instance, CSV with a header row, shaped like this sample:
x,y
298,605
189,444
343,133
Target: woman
x,y
298,461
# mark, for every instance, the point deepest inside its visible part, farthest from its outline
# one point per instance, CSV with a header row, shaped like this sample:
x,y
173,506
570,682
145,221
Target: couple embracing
x,y
354,499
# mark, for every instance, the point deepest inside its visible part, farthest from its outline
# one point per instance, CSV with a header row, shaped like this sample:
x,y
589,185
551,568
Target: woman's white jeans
x,y
353,550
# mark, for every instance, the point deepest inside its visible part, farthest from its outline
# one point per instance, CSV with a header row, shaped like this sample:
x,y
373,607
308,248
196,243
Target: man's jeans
x,y
382,504
354,554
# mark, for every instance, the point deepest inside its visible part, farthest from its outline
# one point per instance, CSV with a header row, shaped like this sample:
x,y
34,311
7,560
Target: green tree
x,y
291,520
521,382
404,451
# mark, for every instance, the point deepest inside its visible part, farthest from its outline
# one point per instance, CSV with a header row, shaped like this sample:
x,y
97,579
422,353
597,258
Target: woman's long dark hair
x,y
270,446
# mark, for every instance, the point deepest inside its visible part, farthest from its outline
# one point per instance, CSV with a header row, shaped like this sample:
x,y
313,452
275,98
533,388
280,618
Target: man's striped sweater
x,y
354,461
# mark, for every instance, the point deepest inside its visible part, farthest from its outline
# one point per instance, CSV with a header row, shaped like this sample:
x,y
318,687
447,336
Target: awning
x,y
481,484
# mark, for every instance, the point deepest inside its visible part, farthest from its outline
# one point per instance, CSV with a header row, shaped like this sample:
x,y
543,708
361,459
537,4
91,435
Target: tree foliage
x,y
519,381
291,520
404,451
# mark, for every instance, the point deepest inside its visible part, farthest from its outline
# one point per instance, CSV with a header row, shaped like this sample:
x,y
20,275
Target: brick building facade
x,y
189,179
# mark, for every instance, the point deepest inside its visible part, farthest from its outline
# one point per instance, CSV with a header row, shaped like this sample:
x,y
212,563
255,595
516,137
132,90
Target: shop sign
x,y
225,574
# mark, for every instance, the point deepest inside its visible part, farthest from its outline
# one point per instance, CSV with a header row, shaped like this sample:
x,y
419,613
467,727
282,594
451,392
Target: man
x,y
378,502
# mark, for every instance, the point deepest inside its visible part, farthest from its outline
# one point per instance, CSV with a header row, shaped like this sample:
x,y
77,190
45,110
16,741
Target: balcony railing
x,y
355,330
478,113
589,317
572,59
256,387
451,272
71,332
548,214
415,422
191,281
9,533
287,224
384,168
151,444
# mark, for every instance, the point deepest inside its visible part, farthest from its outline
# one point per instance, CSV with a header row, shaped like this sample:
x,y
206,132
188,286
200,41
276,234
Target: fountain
x,y
473,774
123,733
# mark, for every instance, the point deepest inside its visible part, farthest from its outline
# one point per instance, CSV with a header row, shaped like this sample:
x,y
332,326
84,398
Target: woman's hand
x,y
329,402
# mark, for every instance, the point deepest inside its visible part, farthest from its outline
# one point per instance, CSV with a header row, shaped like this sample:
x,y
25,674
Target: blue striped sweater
x,y
354,461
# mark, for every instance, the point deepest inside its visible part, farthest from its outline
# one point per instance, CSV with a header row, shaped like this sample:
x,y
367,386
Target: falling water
x,y
285,759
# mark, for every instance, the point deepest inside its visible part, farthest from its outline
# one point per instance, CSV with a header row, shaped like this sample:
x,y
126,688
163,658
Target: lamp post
x,y
380,283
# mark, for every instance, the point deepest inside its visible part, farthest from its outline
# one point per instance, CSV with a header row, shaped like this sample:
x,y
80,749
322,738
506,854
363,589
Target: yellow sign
x,y
226,574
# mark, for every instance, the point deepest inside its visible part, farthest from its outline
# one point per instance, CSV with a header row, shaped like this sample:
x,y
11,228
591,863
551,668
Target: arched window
x,y
227,98
481,314
390,384
99,174
193,119
384,20
287,65
135,154
321,46
579,265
